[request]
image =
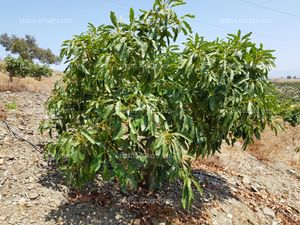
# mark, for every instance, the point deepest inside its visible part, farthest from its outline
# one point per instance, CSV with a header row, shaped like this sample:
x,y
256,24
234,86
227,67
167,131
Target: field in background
x,y
284,80
289,90
272,148
28,84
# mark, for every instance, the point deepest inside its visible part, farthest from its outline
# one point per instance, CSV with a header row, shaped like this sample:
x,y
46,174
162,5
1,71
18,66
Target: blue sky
x,y
275,23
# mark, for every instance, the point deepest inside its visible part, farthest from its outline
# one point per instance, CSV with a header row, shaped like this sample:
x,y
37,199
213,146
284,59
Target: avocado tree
x,y
137,108
24,68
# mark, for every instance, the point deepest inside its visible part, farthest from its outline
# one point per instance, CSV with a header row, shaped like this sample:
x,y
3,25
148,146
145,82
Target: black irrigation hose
x,y
21,138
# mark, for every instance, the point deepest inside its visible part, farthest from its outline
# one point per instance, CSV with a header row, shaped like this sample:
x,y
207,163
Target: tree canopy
x,y
27,48
136,108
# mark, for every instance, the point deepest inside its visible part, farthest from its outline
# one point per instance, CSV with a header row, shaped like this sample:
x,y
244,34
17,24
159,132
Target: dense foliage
x,y
23,68
292,115
27,48
135,108
288,94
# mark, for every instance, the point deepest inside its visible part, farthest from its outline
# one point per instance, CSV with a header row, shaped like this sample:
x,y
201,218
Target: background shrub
x,y
291,115
39,71
288,94
23,68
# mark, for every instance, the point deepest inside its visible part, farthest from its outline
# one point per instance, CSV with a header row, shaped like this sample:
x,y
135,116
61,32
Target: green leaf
x,y
107,110
131,16
132,129
178,3
113,19
249,108
212,103
95,165
88,137
189,16
118,109
187,25
123,130
187,193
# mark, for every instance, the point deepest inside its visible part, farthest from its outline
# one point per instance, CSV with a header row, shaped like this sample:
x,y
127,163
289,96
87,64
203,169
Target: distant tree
x,y
289,77
24,68
295,77
27,48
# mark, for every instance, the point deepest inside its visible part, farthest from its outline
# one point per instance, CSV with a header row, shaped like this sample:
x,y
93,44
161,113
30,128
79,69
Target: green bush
x,y
25,68
292,115
39,71
137,109
288,95
16,67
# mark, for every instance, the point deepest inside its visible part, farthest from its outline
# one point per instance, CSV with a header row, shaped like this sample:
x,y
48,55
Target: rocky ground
x,y
239,187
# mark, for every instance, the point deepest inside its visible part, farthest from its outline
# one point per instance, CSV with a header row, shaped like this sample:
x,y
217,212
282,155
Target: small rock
x,y
2,218
33,196
21,127
30,132
168,202
247,180
291,171
275,222
137,222
269,212
29,204
1,161
22,202
12,220
255,188
119,217
238,183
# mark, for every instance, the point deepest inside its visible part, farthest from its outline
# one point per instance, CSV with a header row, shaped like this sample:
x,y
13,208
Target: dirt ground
x,y
258,186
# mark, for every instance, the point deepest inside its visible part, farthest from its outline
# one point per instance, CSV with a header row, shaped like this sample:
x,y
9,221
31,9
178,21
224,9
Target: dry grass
x,y
281,147
269,149
283,80
28,84
3,113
